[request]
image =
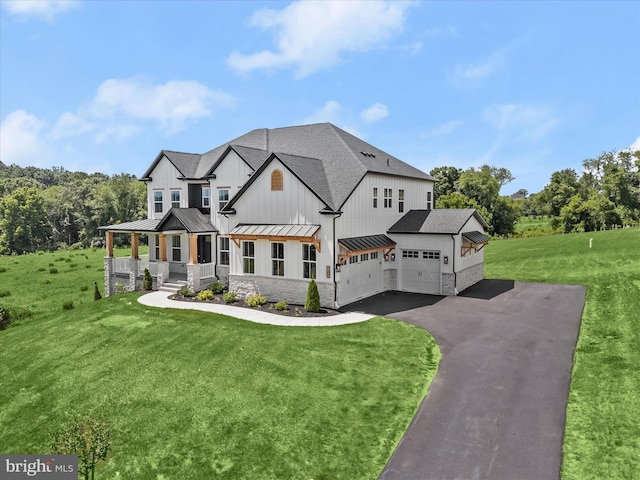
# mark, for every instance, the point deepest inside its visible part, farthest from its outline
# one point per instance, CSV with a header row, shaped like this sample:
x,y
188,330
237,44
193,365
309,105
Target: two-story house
x,y
273,208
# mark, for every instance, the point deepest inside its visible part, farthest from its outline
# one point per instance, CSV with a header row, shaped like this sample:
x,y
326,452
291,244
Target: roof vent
x,y
367,154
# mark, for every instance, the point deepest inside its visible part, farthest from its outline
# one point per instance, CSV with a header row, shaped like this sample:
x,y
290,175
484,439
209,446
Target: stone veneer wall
x,y
109,288
276,289
222,272
448,284
470,276
390,279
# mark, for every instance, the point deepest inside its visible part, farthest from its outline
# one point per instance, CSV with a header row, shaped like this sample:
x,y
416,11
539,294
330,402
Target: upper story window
x,y
206,197
388,196
175,198
429,200
400,201
375,197
276,180
223,198
157,201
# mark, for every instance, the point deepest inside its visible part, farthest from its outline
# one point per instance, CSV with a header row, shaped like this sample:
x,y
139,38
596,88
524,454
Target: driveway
x,y
496,408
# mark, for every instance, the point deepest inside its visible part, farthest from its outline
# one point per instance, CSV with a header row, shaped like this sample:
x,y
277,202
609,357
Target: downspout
x,y
335,247
455,275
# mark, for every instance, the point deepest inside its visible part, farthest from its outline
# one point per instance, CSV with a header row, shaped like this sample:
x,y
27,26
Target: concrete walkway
x,y
161,299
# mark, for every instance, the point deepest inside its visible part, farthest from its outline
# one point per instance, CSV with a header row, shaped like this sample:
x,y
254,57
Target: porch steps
x,y
172,286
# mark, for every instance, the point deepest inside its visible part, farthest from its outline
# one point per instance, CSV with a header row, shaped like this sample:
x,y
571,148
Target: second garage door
x,y
420,271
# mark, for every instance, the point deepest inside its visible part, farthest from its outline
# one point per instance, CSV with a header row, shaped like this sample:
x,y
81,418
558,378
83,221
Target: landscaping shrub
x,y
217,287
96,292
53,270
11,315
313,298
50,264
205,295
255,300
229,297
3,269
41,269
86,437
147,281
76,246
185,291
68,305
5,293
119,288
84,288
281,305
298,312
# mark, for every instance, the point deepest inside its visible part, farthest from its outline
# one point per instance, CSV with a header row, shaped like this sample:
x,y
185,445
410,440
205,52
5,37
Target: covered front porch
x,y
181,251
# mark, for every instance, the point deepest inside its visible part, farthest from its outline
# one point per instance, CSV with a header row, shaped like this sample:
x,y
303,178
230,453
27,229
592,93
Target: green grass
x,y
191,395
534,226
602,435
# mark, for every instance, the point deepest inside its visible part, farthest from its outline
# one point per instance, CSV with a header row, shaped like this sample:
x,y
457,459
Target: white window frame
x,y
221,201
176,248
429,200
388,198
309,259
374,255
158,204
375,197
249,257
174,203
277,259
206,197
401,200
223,250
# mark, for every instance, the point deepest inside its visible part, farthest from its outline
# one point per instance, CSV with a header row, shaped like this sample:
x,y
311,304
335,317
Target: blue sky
x,y
531,86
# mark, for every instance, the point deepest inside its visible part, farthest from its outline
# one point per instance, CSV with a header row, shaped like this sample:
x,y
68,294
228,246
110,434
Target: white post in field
x,y
590,242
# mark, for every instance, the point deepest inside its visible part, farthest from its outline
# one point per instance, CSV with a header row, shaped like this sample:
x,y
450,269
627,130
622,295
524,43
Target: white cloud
x,y
20,140
43,9
479,70
444,129
635,145
334,112
312,35
121,108
374,113
522,122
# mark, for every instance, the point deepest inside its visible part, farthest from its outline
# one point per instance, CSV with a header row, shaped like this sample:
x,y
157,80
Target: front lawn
x,y
602,434
191,395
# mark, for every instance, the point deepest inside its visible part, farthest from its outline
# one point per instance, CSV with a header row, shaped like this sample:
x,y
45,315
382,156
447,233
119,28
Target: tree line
x,y
606,194
52,208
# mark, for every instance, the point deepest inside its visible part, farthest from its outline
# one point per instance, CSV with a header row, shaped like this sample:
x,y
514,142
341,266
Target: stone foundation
x,y
109,288
134,266
276,289
390,279
222,272
163,272
448,286
470,276
193,277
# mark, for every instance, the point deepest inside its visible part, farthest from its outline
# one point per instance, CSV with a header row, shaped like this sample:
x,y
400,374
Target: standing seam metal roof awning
x,y
257,231
476,237
370,242
303,233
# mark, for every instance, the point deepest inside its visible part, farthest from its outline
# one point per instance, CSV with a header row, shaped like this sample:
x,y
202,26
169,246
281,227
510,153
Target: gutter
x,y
455,275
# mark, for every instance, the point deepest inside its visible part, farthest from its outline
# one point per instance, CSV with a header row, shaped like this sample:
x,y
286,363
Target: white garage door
x,y
361,277
420,271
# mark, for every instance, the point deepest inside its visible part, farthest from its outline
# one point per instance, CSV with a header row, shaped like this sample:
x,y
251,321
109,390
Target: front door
x,y
204,249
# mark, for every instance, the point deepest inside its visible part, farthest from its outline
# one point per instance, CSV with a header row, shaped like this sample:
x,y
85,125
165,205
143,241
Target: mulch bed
x,y
292,311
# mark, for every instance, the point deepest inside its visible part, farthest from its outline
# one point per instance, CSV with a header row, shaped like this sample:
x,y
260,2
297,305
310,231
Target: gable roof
x,y
341,158
440,220
190,219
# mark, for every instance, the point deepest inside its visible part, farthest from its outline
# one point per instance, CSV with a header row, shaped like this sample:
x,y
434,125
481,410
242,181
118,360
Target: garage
x,y
361,276
420,271
360,266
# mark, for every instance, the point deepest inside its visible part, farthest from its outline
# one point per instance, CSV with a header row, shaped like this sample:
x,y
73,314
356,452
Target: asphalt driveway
x,y
496,408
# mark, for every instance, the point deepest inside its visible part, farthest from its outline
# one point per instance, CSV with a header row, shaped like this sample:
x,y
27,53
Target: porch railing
x,y
121,264
144,263
207,270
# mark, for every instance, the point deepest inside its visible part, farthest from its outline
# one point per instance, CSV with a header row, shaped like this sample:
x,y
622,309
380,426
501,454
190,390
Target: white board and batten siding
x,y
472,257
360,218
164,178
294,204
232,173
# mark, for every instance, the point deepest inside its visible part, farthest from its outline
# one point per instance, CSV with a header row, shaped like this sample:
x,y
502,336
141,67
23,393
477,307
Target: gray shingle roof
x,y
345,159
440,220
190,219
